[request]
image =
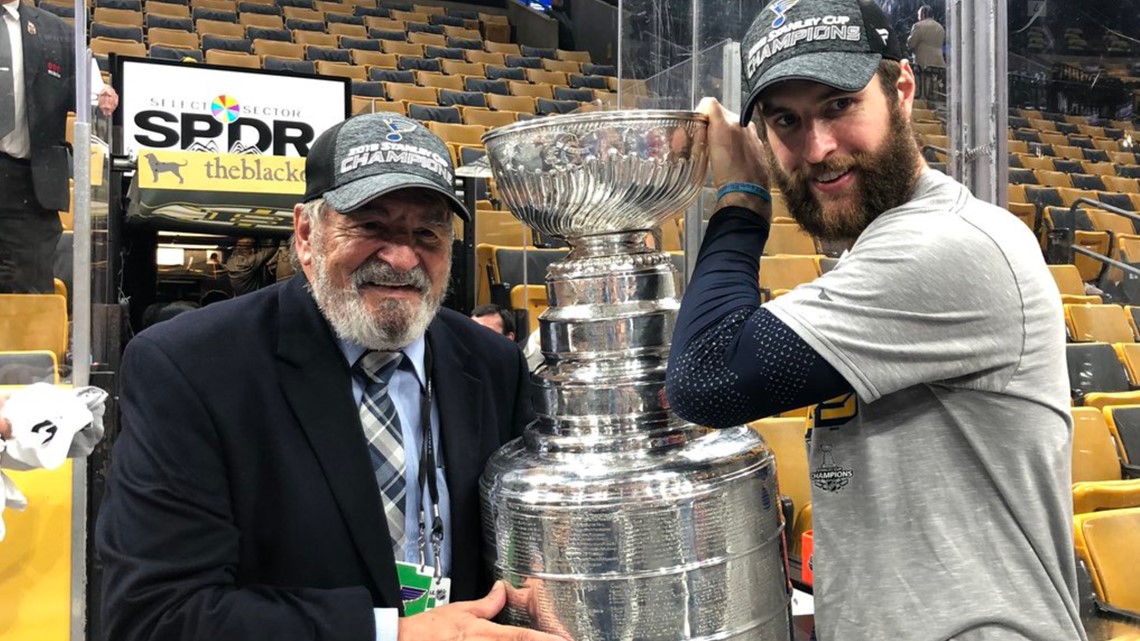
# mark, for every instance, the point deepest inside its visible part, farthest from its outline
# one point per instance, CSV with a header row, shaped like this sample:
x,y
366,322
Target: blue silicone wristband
x,y
748,188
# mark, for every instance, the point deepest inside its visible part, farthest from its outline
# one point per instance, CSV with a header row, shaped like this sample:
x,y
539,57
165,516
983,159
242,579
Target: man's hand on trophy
x,y
735,158
468,621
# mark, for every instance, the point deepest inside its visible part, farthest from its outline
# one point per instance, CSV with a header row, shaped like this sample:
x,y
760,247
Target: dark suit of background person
x,y
34,186
278,487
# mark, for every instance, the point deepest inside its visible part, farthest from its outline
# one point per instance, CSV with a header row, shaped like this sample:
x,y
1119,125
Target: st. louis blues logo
x,y
397,129
780,8
408,593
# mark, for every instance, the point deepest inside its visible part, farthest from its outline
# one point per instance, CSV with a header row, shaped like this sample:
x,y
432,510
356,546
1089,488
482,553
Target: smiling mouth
x,y
831,176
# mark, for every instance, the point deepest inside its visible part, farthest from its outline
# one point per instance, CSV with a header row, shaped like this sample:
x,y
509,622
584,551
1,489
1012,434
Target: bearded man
x,y
935,350
291,460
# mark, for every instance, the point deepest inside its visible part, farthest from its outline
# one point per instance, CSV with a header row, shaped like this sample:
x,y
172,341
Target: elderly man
x,y
291,460
940,466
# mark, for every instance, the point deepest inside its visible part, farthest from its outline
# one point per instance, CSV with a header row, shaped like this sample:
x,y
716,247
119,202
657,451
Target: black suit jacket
x,y
49,93
242,504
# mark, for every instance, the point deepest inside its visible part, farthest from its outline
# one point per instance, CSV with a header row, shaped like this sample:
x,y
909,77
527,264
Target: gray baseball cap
x,y
370,155
838,43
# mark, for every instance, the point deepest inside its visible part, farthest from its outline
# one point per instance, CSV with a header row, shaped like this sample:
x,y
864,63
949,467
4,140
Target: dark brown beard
x,y
886,180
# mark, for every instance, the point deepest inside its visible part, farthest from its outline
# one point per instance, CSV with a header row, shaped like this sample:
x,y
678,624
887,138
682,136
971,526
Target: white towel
x,y
49,425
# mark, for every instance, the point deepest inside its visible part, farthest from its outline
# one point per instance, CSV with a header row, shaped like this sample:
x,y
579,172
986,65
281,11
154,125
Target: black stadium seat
x,y
202,13
450,53
257,7
265,33
162,52
387,34
117,31
211,41
495,72
419,64
1019,176
367,44
368,89
465,43
333,18
591,69
487,86
578,81
420,27
374,12
449,97
155,21
539,52
297,24
1087,181
1093,367
328,53
577,95
392,75
437,114
526,62
285,64
1067,165
550,107
447,21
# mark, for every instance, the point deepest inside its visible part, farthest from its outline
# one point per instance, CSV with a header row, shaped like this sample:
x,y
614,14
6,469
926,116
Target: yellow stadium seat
x,y
785,437
518,88
790,239
315,38
533,299
233,59
1070,286
1106,542
34,322
506,48
1091,323
786,272
374,58
516,104
488,118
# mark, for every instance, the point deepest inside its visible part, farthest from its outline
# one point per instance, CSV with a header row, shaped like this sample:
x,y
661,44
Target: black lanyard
x,y
427,471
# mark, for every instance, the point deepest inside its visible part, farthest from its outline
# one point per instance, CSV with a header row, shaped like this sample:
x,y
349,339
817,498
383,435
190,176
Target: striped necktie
x,y
385,439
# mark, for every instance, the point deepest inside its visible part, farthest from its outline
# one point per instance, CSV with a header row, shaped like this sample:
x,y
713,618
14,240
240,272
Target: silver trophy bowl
x,y
599,172
612,518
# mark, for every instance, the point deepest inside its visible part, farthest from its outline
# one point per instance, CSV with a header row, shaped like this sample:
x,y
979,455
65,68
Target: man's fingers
x,y
488,606
707,105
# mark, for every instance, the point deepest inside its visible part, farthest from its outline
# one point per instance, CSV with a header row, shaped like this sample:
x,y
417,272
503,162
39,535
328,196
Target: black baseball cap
x,y
838,43
370,155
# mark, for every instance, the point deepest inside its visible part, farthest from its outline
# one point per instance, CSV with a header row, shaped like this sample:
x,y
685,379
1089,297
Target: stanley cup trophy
x,y
612,519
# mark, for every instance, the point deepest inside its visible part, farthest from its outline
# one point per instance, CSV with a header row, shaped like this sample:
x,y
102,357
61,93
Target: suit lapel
x,y
318,386
33,51
460,401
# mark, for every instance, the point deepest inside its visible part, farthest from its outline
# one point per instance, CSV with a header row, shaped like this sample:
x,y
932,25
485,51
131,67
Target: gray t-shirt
x,y
941,495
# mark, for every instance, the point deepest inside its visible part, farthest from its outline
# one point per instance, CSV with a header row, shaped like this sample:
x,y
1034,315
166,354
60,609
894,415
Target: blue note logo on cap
x,y
780,8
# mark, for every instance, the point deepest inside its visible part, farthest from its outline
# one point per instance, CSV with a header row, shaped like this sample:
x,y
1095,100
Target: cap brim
x,y
355,194
842,70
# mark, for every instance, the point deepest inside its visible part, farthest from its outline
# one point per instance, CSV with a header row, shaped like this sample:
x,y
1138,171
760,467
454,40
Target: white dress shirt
x,y
18,142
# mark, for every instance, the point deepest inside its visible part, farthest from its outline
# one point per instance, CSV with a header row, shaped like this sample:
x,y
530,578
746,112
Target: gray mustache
x,y
381,273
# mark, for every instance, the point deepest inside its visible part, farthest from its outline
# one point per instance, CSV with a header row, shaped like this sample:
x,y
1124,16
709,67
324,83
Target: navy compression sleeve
x,y
733,361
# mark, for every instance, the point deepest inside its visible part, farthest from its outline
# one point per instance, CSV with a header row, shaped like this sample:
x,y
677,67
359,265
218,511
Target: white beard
x,y
397,324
